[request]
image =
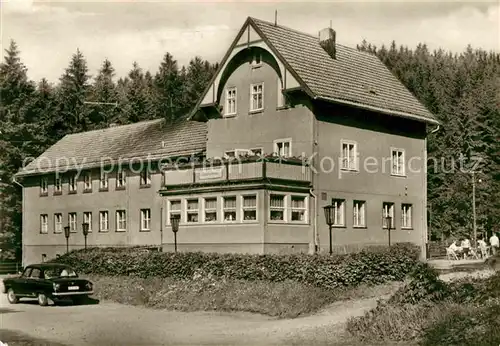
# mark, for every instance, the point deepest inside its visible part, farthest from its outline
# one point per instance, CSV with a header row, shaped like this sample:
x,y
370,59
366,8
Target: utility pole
x,y
474,207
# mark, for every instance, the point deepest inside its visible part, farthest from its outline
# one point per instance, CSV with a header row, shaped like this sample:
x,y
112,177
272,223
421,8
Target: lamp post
x,y
174,222
329,217
85,230
388,221
66,234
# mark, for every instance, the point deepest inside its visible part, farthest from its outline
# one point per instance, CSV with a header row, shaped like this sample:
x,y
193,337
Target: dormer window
x,y
230,102
257,60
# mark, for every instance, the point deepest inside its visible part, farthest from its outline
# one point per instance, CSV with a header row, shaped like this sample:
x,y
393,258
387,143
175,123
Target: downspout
x,y
436,129
315,225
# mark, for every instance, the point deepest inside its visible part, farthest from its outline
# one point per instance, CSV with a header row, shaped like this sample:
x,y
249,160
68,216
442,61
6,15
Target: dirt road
x,y
114,324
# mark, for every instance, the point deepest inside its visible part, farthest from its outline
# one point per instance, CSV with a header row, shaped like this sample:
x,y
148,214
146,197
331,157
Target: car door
x,y
33,282
19,285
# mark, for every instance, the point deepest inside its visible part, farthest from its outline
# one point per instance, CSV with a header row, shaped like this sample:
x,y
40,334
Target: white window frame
x,y
339,212
228,111
253,208
44,186
210,210
192,211
398,169
359,214
103,180
349,163
44,224
121,178
87,181
72,183
145,220
145,177
255,63
87,218
253,151
387,209
282,141
58,223
121,220
252,93
230,210
72,222
174,211
103,221
57,184
282,209
304,209
406,216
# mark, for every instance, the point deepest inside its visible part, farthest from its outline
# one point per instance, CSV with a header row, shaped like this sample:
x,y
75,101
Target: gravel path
x,y
114,324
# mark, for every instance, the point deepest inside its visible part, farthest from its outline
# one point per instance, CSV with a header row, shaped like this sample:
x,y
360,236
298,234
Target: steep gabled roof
x,y
355,78
152,139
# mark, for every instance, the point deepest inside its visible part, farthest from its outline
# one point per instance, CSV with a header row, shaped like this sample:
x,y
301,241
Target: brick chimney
x,y
327,41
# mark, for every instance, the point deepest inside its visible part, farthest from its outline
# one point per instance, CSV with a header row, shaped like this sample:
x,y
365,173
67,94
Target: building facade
x,y
290,123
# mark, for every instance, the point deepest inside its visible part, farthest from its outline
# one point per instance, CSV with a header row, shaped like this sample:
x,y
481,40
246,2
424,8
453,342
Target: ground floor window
x,y
406,210
277,207
103,221
229,208
298,208
359,213
72,222
174,209
192,210
210,209
339,212
387,210
121,221
249,208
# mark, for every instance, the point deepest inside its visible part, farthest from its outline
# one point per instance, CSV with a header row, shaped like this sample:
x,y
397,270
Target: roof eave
x,y
380,110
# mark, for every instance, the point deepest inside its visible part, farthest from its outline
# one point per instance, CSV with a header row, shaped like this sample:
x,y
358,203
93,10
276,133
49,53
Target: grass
x,y
14,338
288,299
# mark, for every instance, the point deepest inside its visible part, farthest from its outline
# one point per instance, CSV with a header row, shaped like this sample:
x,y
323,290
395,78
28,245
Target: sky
x,y
49,32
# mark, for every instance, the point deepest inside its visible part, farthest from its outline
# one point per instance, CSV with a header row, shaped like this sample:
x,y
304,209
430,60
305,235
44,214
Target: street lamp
x,y
330,217
174,222
85,229
66,234
388,222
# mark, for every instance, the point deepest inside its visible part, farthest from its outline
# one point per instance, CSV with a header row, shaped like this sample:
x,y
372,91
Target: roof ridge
x,y
117,126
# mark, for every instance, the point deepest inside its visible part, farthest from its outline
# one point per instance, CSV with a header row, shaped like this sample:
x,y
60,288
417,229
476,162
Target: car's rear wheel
x,y
11,296
42,299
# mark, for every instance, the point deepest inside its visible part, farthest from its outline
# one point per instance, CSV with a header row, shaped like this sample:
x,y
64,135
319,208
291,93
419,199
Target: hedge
x,y
371,266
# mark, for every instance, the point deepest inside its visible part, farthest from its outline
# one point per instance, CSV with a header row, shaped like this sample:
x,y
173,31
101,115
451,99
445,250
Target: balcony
x,y
283,171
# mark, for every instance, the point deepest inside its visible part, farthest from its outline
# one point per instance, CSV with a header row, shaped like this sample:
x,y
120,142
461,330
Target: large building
x,y
289,123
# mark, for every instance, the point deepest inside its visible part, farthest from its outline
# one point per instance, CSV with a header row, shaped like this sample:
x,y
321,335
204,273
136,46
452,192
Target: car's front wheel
x,y
11,296
42,299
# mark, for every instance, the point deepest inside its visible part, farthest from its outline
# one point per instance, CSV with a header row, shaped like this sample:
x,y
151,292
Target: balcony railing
x,y
238,170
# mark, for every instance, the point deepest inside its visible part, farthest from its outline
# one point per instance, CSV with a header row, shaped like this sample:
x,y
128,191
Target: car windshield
x,y
60,272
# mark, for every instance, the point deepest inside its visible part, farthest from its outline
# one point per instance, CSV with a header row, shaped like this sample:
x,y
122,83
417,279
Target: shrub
x,y
371,266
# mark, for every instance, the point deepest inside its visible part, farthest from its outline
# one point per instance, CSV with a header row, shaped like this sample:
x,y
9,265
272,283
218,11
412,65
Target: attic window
x,y
257,60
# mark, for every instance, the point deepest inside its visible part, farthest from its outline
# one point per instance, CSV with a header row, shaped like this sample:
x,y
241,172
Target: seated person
x,y
457,249
465,246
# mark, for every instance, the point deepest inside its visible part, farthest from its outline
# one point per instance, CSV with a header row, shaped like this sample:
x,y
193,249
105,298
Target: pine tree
x,y
169,87
104,93
139,104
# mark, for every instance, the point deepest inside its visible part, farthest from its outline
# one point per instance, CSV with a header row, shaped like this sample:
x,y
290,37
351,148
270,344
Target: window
x,y
192,210
72,222
87,218
230,102
44,223
237,153
257,60
145,177
256,151
44,186
256,97
397,162
349,156
57,185
281,97
174,209
359,214
103,221
387,210
58,220
87,181
145,219
72,183
277,207
406,211
120,178
338,212
121,221
103,185
229,208
299,208
210,209
249,207
283,147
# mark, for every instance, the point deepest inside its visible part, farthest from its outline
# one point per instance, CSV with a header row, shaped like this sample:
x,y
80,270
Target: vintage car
x,y
47,281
